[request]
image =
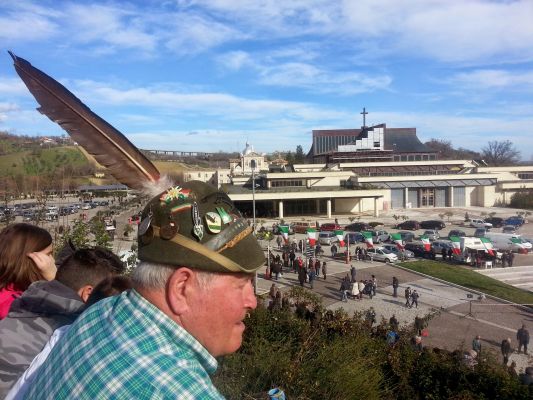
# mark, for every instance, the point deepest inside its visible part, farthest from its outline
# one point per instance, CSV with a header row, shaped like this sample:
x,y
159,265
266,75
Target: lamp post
x,y
252,165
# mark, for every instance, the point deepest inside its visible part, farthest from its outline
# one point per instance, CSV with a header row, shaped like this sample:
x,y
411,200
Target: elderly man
x,y
192,291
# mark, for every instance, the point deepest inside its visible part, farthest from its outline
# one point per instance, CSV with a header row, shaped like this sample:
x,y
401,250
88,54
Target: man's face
x,y
217,312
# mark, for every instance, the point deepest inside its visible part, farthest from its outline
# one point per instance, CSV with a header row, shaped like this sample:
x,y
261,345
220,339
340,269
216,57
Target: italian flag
x,y
340,236
398,240
368,239
311,235
425,241
488,245
284,229
456,244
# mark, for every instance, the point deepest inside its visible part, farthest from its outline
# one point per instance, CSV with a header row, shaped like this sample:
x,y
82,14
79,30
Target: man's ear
x,y
84,292
178,290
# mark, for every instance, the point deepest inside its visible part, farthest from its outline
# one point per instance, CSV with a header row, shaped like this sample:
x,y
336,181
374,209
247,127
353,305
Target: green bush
x,y
313,353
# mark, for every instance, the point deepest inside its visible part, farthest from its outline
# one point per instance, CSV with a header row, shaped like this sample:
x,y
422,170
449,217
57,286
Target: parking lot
x,y
458,318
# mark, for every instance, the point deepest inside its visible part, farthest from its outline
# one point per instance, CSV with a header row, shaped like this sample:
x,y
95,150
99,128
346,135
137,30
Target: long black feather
x,y
99,138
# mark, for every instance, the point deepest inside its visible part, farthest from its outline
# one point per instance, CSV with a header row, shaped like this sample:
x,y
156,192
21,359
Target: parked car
x,y
496,222
330,227
380,236
456,232
327,238
480,232
515,220
302,226
419,250
432,234
395,250
432,224
353,237
479,223
509,229
438,245
358,227
409,225
381,254
407,236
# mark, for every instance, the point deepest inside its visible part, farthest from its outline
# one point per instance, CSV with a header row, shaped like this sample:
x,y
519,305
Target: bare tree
x,y
500,153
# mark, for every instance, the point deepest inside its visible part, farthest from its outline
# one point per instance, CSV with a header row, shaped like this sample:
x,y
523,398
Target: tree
x,y
299,157
500,153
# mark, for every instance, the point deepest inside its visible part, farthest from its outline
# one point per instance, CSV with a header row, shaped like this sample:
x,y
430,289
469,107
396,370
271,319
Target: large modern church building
x,y
375,168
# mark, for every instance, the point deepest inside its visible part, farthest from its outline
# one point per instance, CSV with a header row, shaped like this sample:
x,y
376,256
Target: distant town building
x,y
368,144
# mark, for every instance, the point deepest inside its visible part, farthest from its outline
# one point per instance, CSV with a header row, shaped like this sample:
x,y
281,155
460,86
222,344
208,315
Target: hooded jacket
x,y
33,317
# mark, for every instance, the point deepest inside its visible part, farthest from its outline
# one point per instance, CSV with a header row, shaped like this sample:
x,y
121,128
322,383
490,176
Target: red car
x,y
330,227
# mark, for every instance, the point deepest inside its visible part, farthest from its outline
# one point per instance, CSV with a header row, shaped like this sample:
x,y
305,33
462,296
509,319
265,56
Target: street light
x,y
253,165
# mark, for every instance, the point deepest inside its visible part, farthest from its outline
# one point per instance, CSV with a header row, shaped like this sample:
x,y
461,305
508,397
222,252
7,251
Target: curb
x,y
462,287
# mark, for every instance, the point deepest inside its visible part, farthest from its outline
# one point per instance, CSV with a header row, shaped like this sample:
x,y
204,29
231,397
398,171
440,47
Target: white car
x,y
327,238
394,249
382,254
479,223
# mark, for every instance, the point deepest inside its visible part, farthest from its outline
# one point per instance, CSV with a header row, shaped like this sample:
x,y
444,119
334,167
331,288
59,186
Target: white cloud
x,y
492,79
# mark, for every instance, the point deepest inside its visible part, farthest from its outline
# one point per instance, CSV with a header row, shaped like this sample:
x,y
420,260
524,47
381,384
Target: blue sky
x,y
208,75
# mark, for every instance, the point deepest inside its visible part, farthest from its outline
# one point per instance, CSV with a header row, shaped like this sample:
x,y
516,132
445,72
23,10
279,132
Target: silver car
x,y
395,250
327,238
432,234
381,254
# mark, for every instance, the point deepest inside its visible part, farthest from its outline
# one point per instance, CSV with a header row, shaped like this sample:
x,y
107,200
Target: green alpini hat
x,y
195,225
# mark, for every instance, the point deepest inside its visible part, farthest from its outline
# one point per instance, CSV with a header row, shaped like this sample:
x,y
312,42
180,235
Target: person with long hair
x,y
25,257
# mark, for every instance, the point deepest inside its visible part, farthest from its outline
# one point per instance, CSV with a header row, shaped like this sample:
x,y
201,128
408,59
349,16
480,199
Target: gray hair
x,y
149,275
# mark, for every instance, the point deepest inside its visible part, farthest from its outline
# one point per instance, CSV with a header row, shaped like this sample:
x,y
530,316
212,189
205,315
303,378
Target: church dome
x,y
248,149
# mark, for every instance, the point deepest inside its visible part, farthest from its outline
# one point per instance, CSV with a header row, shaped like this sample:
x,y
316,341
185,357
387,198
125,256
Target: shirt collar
x,y
174,332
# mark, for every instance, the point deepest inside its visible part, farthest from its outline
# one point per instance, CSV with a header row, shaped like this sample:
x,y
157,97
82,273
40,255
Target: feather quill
x,y
99,138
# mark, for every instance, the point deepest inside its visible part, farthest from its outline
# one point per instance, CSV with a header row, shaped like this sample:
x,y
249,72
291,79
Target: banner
x,y
340,236
426,242
488,245
368,239
456,244
397,238
311,235
284,230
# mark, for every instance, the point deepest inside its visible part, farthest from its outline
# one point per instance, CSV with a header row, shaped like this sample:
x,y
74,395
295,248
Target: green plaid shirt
x,y
125,348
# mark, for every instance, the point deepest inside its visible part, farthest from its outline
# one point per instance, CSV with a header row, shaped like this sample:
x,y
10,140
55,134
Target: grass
x,y
470,279
40,161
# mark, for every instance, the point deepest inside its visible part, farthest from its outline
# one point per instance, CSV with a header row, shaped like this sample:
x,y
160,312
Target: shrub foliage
x,y
313,353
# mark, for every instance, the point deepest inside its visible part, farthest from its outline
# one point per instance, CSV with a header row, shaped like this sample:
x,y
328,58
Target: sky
x,y
210,75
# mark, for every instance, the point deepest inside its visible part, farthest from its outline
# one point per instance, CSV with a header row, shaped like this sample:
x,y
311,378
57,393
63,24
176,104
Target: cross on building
x,y
364,113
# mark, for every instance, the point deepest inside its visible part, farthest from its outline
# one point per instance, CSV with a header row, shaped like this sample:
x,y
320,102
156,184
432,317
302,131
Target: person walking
x,y
278,241
393,322
506,350
395,284
522,335
370,317
324,270
333,249
353,273
312,276
407,294
476,344
419,325
510,258
414,299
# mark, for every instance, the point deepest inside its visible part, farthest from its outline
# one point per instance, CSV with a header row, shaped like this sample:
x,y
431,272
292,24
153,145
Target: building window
x,y
287,183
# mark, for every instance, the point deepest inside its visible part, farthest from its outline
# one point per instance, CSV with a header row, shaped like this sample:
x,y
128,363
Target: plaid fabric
x,y
125,348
